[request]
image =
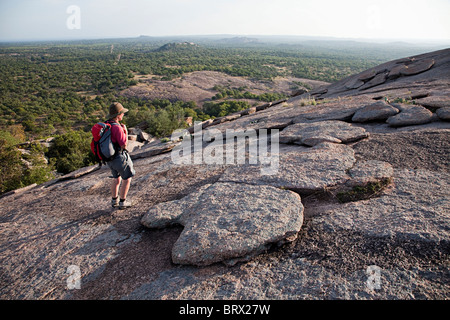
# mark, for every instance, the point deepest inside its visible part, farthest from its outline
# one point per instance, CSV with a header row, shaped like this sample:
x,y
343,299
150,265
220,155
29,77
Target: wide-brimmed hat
x,y
115,109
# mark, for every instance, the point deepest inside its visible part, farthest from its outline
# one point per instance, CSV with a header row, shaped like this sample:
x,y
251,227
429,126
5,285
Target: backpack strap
x,y
116,145
112,123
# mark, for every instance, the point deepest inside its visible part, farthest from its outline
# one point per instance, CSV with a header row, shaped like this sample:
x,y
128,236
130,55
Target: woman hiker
x,y
121,165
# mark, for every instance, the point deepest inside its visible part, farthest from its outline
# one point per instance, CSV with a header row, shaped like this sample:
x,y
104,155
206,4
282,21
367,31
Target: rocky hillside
x,y
199,86
352,203
177,46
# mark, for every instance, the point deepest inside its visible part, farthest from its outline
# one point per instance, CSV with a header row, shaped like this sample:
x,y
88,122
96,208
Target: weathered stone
x,y
433,80
370,170
145,137
417,209
355,83
227,221
343,131
434,101
401,106
283,114
232,117
299,92
134,145
379,110
18,191
248,111
410,68
367,75
263,107
414,149
218,121
203,124
319,91
417,67
80,172
395,72
299,168
207,123
139,135
444,113
411,115
330,111
376,81
152,149
315,140
133,130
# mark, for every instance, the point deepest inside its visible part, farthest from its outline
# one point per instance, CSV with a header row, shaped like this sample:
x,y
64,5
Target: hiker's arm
x,y
119,136
125,130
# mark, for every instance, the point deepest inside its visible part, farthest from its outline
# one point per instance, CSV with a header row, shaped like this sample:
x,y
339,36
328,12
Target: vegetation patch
x,y
242,93
307,102
364,192
20,167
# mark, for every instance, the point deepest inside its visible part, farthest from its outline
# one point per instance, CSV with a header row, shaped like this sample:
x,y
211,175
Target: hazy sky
x,y
75,19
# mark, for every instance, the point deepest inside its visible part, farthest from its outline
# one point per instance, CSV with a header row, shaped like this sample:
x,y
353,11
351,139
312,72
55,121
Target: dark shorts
x,y
122,166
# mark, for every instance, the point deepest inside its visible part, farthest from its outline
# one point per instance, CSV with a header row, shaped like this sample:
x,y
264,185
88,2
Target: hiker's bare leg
x,y
115,187
124,188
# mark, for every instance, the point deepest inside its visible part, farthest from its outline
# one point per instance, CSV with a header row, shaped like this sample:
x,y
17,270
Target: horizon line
x,y
412,41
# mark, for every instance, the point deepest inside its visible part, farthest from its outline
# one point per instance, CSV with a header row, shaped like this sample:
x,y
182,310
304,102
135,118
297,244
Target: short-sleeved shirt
x,y
118,134
121,165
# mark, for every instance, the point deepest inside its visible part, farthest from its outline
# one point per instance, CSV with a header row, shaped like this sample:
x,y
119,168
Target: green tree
x,y
71,151
10,167
17,170
224,108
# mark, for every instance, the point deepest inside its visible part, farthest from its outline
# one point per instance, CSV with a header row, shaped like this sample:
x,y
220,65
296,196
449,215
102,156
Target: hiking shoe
x,y
125,204
115,203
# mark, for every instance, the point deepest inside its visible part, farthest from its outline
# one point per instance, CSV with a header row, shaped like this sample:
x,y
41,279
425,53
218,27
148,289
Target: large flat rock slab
x,y
297,110
412,68
410,115
152,149
228,221
300,168
377,111
425,71
370,171
435,101
313,133
444,113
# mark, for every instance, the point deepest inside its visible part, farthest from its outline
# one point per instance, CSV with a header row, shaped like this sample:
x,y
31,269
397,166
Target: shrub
x,y
224,108
71,151
367,191
17,170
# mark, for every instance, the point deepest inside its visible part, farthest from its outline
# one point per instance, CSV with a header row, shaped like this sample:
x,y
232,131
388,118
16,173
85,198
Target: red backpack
x,y
101,144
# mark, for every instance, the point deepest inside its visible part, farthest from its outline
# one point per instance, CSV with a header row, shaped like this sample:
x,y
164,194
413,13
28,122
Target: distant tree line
x,y
242,93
